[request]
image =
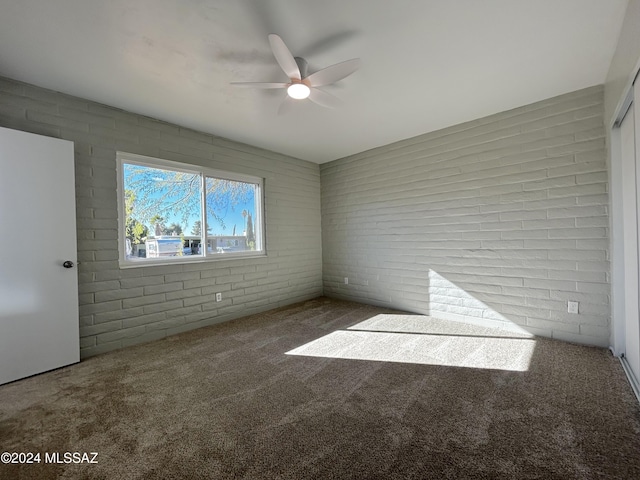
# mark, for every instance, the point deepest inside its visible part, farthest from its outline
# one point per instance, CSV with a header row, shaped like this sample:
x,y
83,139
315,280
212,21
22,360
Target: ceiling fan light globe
x,y
298,91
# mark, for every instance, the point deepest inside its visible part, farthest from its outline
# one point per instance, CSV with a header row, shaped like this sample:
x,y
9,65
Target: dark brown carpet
x,y
225,402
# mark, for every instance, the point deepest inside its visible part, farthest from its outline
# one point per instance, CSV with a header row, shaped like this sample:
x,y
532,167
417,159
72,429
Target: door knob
x,y
68,264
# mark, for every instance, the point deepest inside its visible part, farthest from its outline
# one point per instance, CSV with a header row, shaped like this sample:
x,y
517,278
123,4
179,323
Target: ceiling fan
x,y
301,85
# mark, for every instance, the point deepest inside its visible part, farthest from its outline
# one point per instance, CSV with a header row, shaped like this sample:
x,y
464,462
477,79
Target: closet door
x,y
631,207
632,147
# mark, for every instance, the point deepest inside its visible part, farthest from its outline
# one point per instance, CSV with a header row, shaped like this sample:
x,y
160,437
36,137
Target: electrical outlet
x,y
572,307
218,297
346,280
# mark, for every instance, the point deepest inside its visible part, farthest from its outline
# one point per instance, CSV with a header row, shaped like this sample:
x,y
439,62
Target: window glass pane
x,y
231,216
163,217
162,212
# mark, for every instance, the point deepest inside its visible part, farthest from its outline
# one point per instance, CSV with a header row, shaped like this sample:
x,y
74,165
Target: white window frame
x,y
152,162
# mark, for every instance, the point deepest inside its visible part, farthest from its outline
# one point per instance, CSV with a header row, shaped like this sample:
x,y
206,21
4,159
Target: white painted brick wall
x,y
502,218
126,307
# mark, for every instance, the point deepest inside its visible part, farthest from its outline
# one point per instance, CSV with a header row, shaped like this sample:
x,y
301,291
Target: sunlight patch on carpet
x,y
423,340
409,323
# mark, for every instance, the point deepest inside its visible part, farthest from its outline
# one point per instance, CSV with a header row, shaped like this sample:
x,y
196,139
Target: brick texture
x,y
502,219
120,307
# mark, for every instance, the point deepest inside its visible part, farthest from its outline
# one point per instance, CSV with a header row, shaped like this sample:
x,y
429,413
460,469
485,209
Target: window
x,y
172,212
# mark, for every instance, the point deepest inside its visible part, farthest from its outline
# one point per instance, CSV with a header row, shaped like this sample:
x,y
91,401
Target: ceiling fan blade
x,y
284,57
324,99
334,73
259,85
286,105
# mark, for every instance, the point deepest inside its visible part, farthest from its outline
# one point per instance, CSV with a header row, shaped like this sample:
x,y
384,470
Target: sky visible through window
x,y
175,197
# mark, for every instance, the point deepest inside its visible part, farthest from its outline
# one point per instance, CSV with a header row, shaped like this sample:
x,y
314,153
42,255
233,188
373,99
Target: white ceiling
x,y
426,64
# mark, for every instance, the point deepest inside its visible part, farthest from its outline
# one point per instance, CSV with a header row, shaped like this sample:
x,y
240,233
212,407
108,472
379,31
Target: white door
x,y
38,295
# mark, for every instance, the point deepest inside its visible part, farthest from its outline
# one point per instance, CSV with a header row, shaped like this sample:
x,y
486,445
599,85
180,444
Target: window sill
x,y
124,264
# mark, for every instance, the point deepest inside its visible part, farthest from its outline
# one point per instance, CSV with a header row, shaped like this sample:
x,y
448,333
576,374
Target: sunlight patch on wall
x,y
447,300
